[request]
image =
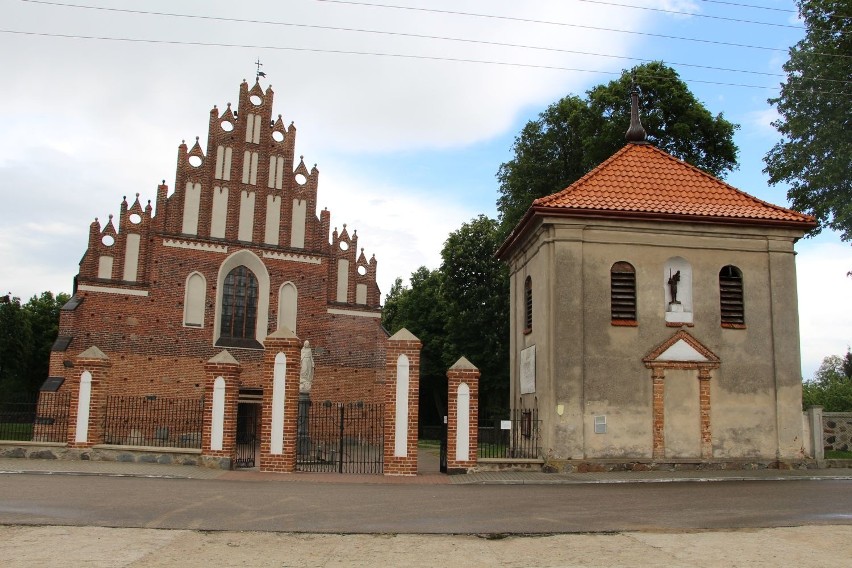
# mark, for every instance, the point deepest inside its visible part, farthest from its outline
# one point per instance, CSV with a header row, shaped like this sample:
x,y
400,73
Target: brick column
x,y
658,376
463,389
218,408
704,410
91,372
278,432
402,391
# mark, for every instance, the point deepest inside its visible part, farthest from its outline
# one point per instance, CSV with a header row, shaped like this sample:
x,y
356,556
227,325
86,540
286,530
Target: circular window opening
x,y
301,179
135,218
108,240
195,161
227,125
278,136
362,270
256,100
344,245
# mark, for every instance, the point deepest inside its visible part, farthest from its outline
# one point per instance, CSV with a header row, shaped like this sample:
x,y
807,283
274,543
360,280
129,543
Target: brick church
x,y
235,252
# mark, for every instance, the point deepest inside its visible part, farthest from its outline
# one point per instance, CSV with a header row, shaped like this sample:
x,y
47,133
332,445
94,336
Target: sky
x,y
408,108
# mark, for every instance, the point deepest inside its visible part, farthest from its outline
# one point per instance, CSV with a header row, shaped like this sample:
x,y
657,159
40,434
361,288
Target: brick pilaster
x,y
463,372
225,366
401,347
704,409
286,343
658,376
97,364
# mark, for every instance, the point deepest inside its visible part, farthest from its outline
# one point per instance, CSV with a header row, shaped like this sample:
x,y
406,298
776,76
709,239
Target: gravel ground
x,y
48,546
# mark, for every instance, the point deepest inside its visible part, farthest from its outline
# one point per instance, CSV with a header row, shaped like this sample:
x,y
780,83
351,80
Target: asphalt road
x,y
27,499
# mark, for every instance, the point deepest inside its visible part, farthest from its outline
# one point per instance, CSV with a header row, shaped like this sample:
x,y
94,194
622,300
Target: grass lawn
x,y
837,455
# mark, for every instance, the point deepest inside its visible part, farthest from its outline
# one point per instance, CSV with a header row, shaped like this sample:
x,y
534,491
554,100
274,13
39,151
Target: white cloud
x,y
825,312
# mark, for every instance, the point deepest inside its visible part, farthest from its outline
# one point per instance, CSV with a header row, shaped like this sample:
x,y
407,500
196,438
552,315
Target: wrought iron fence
x,y
44,419
515,438
340,437
153,421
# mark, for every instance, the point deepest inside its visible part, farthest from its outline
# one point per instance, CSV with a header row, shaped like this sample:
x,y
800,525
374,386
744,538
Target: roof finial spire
x,y
259,72
636,133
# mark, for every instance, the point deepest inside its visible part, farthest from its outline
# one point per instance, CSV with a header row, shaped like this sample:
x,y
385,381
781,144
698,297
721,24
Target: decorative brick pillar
x,y
88,399
221,391
402,391
658,377
462,416
279,417
704,410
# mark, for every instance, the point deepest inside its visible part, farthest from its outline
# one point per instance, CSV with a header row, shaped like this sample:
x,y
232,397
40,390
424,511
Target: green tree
x,y
573,135
815,154
27,333
15,348
476,288
831,386
421,309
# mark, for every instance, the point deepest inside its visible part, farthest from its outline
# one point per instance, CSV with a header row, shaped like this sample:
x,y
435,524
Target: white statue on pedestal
x,y
306,374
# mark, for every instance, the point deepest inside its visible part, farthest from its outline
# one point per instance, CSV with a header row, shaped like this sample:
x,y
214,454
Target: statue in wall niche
x,y
306,375
673,280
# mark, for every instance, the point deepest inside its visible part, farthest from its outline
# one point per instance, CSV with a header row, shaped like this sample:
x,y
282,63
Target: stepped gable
x,y
641,180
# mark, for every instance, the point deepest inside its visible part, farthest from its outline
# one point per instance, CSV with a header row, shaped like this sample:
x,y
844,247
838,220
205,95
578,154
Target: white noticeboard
x,y
528,370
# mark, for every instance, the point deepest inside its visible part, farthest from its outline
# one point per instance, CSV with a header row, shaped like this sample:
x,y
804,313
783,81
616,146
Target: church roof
x,y
641,182
642,179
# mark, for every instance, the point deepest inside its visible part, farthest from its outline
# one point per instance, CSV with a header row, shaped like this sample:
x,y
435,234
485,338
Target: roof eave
x,y
526,222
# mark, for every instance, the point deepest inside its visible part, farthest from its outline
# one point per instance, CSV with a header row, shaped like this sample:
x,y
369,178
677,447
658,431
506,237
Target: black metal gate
x,y
340,437
248,414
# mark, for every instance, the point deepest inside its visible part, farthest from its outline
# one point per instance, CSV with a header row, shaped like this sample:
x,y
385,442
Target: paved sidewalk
x,y
125,469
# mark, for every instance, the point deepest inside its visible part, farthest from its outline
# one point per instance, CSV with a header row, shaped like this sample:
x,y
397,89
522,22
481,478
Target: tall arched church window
x,y
528,318
622,279
731,307
239,309
194,299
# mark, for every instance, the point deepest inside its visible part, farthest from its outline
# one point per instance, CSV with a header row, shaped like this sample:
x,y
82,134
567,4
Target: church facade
x,y
237,251
654,316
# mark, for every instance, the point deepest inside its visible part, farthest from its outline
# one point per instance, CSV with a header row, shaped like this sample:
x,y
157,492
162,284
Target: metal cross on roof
x,y
259,72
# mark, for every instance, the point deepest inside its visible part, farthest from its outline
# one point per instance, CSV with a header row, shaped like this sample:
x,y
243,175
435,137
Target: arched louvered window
x,y
731,305
239,308
528,318
623,294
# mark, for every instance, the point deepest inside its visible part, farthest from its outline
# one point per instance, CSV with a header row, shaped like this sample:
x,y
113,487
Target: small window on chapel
x,y
528,320
731,306
623,294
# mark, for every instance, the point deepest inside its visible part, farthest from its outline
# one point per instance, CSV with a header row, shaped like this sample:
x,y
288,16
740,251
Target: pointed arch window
x,y
528,314
622,277
731,304
239,309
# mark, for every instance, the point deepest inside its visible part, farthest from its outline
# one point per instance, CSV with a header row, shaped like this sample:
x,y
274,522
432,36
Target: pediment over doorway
x,y
681,349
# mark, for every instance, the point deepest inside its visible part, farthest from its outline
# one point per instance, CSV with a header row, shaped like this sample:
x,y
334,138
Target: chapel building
x,y
234,253
654,315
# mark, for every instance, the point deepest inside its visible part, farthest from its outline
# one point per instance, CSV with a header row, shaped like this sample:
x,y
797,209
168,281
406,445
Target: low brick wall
x,y
837,431
128,454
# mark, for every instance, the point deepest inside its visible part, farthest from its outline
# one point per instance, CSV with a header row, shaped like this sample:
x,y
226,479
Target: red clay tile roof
x,y
644,180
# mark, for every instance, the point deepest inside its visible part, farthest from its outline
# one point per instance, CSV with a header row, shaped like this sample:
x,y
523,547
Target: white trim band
x,y
355,313
293,257
195,246
108,290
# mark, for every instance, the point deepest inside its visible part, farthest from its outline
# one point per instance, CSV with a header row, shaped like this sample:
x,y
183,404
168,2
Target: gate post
x,y
88,399
219,430
402,392
278,429
462,416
